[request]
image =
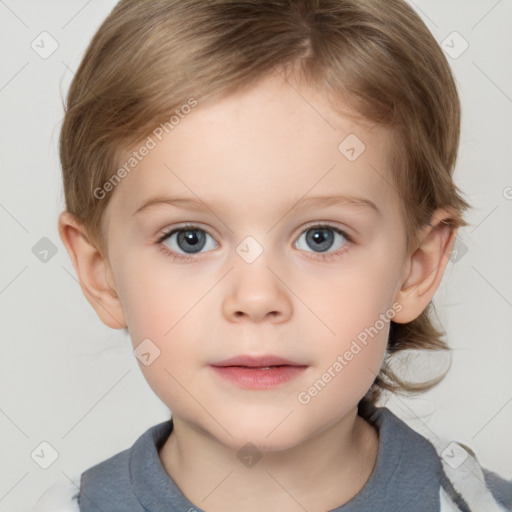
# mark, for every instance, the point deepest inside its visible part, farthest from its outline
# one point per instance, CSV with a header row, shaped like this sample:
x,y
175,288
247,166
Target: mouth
x,y
265,361
258,372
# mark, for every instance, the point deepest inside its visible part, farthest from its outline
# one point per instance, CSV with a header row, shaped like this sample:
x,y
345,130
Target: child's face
x,y
256,160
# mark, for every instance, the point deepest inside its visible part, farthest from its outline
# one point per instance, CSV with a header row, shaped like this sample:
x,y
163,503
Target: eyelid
x,y
167,232
327,224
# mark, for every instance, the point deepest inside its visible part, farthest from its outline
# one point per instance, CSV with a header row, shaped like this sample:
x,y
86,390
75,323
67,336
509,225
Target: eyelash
x,y
317,256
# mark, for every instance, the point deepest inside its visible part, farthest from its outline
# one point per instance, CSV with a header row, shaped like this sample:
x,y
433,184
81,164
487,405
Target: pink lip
x,y
256,361
248,371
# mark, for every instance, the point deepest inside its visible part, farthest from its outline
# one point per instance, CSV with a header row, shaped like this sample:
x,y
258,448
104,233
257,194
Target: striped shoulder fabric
x,y
466,486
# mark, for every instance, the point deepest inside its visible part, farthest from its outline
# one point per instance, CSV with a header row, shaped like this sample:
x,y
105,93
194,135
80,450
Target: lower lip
x,y
257,378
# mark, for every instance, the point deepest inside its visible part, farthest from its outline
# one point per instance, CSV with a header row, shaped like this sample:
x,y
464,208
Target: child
x,y
252,131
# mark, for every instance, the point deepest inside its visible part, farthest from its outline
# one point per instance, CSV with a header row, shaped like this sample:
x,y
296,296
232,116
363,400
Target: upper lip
x,y
256,361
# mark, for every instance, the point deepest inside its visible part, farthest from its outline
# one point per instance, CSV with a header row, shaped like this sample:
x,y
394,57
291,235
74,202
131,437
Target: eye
x,y
189,240
323,237
183,243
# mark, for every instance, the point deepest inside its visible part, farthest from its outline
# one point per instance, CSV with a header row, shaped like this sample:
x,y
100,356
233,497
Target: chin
x,y
260,443
275,438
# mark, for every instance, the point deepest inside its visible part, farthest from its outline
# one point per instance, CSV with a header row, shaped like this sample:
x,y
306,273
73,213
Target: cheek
x,y
357,352
351,297
156,295
348,367
356,308
167,342
161,312
163,309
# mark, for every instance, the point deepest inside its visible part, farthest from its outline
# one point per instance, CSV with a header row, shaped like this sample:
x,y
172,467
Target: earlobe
x,y
426,266
93,271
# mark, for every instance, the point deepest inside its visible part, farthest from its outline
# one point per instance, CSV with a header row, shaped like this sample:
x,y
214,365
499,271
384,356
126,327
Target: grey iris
x,y
322,238
195,238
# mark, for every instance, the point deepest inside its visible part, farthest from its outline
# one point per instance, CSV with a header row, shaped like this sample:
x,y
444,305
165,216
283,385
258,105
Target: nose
x,y
256,293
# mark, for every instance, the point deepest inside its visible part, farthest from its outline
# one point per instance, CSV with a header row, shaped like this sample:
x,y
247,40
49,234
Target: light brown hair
x,y
149,57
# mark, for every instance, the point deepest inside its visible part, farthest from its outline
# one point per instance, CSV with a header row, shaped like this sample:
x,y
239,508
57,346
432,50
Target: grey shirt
x,y
408,476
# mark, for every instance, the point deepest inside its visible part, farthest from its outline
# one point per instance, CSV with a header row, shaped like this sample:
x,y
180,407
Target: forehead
x,y
261,148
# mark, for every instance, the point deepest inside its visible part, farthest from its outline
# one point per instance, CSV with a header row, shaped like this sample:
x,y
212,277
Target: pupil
x,y
191,237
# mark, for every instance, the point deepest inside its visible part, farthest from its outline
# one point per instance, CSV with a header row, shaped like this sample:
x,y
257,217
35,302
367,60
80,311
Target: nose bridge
x,y
256,290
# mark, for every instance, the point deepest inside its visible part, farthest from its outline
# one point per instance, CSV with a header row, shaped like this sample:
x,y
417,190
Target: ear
x,y
93,271
425,268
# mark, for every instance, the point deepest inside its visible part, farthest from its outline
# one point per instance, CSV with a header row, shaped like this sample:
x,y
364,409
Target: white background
x,y
71,381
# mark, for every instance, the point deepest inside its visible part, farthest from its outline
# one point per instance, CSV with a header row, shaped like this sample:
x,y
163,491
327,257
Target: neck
x,y
323,472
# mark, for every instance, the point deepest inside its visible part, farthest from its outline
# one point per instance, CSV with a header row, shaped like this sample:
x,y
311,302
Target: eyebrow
x,y
192,203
